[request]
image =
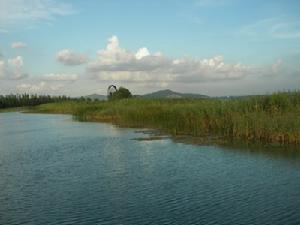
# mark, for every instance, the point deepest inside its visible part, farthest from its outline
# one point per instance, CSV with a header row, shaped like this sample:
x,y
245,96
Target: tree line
x,y
21,100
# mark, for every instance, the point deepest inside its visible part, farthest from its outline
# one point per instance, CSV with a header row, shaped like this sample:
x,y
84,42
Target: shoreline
x,y
159,134
270,120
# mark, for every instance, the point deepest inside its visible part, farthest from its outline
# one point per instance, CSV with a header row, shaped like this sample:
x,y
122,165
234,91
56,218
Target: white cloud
x,y
60,77
42,87
276,67
133,76
2,69
68,57
12,69
118,64
17,62
277,28
18,45
29,12
113,54
141,53
31,87
193,70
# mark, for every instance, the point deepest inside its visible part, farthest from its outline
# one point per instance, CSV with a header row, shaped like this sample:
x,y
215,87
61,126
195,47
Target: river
x,y
54,170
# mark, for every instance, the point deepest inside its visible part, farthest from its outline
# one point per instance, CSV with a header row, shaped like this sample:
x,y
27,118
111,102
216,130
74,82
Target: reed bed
x,y
273,119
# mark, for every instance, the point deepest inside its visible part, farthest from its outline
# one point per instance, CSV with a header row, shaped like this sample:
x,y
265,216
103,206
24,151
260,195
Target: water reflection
x,y
57,171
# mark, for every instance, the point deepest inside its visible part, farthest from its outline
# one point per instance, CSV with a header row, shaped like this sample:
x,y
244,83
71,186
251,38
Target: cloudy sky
x,y
213,47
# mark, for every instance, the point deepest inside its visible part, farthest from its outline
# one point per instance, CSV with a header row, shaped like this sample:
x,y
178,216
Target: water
x,y
57,171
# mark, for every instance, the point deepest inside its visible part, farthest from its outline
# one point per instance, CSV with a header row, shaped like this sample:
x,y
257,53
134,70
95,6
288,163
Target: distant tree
x,y
121,93
7,101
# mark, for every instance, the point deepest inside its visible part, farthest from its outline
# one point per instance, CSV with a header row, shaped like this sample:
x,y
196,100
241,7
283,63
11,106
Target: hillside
x,y
172,94
96,96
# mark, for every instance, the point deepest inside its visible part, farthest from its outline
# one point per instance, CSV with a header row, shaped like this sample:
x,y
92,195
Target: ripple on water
x,y
57,171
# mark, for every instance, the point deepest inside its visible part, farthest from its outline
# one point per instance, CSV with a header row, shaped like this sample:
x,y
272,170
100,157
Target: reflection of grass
x,y
16,109
264,119
151,138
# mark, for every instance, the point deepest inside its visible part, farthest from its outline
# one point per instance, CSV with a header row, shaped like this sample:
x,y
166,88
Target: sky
x,y
212,47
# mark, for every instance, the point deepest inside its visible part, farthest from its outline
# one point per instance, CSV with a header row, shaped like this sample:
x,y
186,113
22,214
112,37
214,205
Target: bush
x,y
121,93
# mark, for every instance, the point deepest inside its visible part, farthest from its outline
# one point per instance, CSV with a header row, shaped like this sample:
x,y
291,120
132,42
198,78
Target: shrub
x,y
121,93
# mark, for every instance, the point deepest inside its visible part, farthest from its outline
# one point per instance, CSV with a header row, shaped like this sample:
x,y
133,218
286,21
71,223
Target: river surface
x,y
54,170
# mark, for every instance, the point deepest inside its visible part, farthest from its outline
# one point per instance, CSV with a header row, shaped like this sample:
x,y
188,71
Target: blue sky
x,y
214,47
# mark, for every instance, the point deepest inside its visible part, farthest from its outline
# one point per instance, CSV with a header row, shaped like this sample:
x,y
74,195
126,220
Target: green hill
x,y
172,94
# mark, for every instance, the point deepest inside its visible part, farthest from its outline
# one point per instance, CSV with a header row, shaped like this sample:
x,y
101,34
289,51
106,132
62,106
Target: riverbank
x,y
13,109
273,119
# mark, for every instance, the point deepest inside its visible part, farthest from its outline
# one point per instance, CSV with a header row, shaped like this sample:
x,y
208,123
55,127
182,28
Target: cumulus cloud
x,y
12,69
141,53
113,54
118,64
17,62
209,69
68,57
42,87
273,70
60,77
17,45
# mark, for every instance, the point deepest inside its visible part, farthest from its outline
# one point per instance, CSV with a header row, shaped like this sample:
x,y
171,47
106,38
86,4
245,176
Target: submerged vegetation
x,y
273,119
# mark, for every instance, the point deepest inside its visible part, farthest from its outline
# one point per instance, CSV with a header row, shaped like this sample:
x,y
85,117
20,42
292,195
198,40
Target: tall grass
x,y
264,119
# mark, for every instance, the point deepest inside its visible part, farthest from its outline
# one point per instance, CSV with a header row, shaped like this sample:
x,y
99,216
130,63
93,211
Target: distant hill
x,y
172,94
96,96
155,95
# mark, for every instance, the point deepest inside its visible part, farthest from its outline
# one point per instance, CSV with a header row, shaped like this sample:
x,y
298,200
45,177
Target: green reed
x,y
264,119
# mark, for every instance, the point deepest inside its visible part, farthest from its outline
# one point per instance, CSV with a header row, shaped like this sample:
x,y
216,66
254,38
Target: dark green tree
x,y
121,93
20,100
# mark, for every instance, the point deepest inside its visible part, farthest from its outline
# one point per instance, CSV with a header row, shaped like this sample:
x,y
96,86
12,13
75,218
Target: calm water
x,y
57,171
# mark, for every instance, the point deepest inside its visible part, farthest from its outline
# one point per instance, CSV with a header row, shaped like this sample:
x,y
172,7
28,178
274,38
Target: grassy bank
x,y
13,109
271,119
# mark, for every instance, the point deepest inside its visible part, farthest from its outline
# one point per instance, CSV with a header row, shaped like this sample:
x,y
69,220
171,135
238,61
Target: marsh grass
x,y
273,119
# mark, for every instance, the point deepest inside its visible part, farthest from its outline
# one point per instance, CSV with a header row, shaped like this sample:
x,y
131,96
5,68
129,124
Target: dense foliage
x,y
9,101
121,93
264,119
